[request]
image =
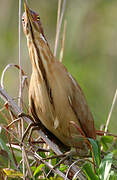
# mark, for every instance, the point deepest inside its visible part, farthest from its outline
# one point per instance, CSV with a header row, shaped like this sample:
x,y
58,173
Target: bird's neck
x,y
40,54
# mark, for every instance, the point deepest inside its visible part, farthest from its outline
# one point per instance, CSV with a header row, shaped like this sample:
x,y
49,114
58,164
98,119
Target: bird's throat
x,y
41,56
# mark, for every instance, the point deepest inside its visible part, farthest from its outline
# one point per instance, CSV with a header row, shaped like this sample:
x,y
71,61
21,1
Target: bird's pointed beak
x,y
27,11
26,7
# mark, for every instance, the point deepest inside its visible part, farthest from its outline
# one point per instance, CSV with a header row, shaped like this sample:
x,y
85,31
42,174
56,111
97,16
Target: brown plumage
x,y
54,95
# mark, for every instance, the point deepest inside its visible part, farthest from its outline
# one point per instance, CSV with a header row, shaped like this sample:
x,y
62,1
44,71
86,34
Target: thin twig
x,y
4,71
21,126
110,112
63,42
14,121
59,27
3,74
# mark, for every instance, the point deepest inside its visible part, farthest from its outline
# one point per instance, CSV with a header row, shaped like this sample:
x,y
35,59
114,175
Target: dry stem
x,y
21,124
63,42
110,112
59,23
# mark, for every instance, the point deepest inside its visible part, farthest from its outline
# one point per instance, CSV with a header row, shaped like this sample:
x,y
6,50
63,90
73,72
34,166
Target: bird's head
x,y
31,23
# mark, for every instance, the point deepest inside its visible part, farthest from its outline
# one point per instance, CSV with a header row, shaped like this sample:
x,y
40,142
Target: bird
x,y
55,97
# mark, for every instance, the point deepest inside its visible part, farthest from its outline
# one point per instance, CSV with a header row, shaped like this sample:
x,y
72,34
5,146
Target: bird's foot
x,y
64,156
22,114
30,128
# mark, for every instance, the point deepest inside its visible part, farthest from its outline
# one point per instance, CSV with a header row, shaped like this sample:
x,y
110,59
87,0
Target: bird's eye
x,y
22,19
38,18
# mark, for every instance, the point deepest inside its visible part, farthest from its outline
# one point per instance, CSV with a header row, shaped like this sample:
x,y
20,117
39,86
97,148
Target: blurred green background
x,y
90,48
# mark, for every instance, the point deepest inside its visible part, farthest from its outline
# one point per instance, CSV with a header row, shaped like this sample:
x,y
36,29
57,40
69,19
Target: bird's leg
x,y
85,140
22,114
32,126
26,131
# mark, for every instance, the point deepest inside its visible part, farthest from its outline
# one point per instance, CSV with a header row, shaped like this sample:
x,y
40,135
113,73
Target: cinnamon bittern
x,y
54,96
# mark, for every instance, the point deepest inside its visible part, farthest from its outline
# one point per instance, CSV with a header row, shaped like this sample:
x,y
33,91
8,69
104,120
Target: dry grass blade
x,y
75,176
59,25
28,165
63,42
20,73
79,160
27,1
110,112
58,14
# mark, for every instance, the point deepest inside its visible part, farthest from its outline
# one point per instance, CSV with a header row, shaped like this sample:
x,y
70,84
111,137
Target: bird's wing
x,y
64,89
80,107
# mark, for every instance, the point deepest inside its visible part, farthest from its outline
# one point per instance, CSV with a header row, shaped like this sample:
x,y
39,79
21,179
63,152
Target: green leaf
x,y
96,151
12,173
63,167
4,147
53,161
115,152
105,166
42,154
104,145
112,176
33,168
88,170
38,170
105,140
